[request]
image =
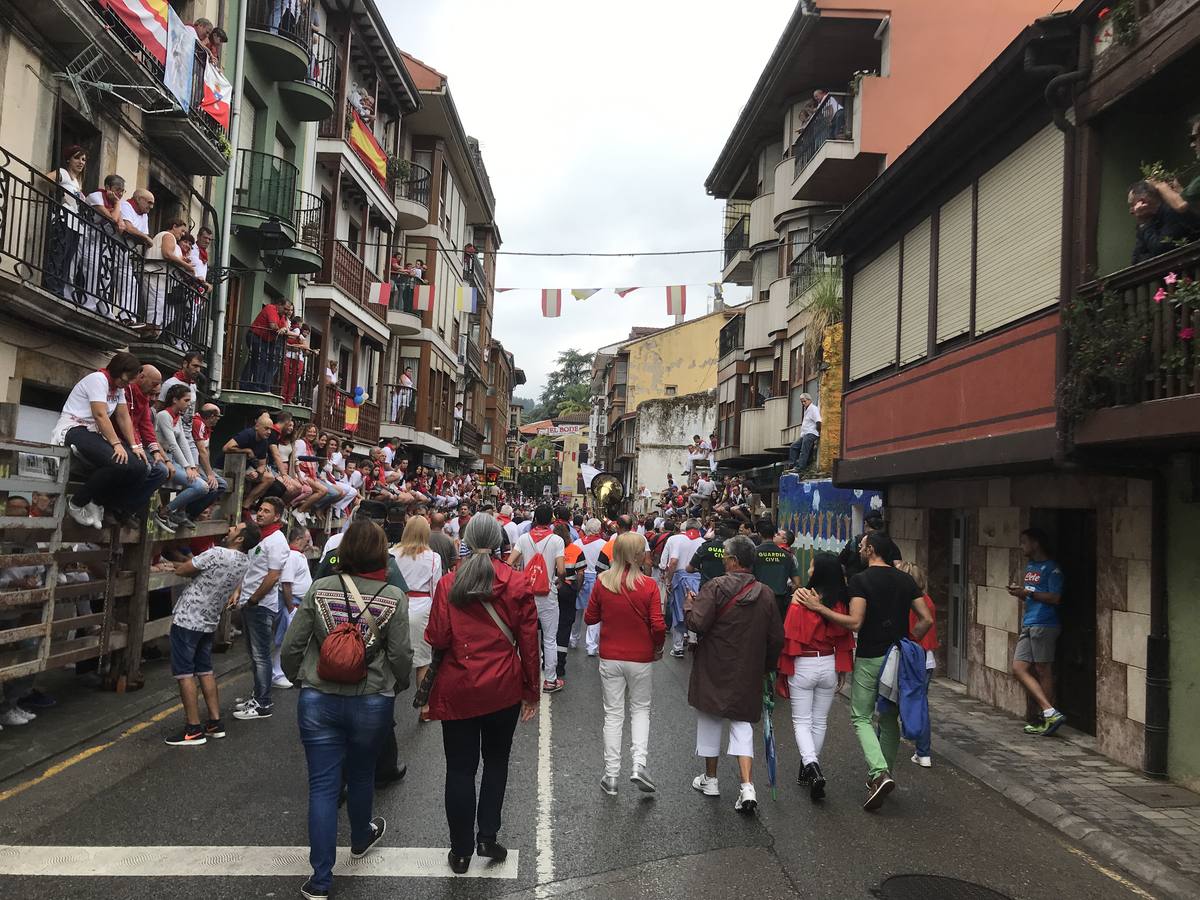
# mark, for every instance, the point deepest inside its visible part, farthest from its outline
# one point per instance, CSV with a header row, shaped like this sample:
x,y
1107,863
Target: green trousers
x,y
879,749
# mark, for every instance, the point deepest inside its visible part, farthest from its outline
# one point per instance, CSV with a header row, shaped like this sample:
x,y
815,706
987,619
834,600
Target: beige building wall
x,y
683,357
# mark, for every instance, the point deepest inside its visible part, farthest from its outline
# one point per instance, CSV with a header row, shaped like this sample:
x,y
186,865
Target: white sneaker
x,y
21,711
244,703
81,514
747,800
923,761
12,717
97,512
250,713
707,786
281,682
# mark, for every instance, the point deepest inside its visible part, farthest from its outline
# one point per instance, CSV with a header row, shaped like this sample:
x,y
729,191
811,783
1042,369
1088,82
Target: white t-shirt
x,y
681,548
812,418
705,487
297,573
140,221
271,554
389,455
512,529
198,264
92,388
421,573
551,548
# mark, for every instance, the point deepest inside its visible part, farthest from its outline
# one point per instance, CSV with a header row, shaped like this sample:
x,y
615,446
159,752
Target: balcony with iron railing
x,y
281,37
265,188
65,269
260,362
343,269
402,316
313,98
410,191
829,164
833,120
730,339
304,257
808,268
330,414
400,405
468,437
1133,368
474,275
361,161
189,134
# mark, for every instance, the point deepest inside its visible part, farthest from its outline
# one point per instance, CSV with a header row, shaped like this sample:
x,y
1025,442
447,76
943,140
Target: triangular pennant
x,y
676,300
423,297
583,293
504,290
551,303
621,292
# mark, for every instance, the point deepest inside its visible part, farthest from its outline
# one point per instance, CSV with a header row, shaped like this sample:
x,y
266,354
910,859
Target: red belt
x,y
419,594
809,654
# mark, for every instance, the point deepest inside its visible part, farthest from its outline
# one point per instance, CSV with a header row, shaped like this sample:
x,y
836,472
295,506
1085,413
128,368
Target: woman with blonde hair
x,y
626,603
422,570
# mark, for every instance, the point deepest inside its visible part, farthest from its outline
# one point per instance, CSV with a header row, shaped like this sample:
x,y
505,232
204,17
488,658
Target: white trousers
x,y
708,736
547,610
618,677
811,689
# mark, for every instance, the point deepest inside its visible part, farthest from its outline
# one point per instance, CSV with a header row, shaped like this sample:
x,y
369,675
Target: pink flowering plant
x,y
1109,353
1179,300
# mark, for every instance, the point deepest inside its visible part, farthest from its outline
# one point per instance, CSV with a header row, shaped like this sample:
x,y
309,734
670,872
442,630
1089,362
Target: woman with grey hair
x,y
479,693
591,542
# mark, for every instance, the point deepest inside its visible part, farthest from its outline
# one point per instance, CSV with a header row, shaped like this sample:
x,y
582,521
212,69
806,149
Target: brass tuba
x,y
609,493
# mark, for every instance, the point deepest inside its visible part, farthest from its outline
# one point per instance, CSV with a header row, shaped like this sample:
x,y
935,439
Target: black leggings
x,y
464,740
111,482
566,621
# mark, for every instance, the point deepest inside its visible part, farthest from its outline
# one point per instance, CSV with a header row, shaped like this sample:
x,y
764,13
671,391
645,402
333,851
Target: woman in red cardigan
x,y
484,623
629,607
816,656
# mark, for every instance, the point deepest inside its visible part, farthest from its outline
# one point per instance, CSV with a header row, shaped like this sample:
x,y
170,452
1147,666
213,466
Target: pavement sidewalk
x,y
1064,782
84,710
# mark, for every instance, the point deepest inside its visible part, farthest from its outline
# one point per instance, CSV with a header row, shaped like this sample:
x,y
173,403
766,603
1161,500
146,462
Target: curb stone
x,y
1143,866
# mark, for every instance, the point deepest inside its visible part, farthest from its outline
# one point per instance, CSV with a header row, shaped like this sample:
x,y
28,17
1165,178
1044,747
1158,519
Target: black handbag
x,y
425,688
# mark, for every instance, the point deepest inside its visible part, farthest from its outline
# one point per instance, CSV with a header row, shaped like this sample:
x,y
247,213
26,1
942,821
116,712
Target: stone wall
x,y
664,431
998,510
829,401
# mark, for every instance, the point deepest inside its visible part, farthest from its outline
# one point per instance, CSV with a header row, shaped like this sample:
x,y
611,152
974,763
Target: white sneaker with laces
x,y
747,800
923,761
250,713
11,717
21,711
244,703
97,512
81,514
707,786
281,682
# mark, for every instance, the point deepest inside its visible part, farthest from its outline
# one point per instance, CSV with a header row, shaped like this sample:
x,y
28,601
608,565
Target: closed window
x,y
873,314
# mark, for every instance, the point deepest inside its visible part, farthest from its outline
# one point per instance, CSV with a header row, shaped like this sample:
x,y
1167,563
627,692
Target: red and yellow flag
x,y
367,148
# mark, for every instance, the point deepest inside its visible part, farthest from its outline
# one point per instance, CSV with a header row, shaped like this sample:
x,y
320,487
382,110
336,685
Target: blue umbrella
x,y
769,730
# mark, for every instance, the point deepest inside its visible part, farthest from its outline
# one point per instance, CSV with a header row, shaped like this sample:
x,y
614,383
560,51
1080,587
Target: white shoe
x,y
21,711
707,786
923,761
12,717
747,800
81,514
244,703
281,682
97,512
250,713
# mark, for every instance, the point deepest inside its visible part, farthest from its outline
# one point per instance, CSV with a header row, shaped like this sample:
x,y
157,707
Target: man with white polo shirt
x,y
676,557
258,599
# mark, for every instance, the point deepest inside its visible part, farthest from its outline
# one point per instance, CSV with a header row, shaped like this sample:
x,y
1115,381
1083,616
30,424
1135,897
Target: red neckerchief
x,y
503,520
783,546
267,530
182,376
174,415
377,575
107,204
112,385
203,251
589,538
537,532
692,533
462,522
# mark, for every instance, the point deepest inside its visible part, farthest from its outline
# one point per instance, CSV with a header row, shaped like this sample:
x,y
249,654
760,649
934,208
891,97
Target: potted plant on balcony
x,y
1108,350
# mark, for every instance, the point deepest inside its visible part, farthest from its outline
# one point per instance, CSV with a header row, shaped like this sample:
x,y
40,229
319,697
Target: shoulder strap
x,y
491,611
351,591
734,599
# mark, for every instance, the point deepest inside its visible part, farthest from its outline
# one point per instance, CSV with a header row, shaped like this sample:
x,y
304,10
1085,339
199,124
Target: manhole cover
x,y
1161,796
935,887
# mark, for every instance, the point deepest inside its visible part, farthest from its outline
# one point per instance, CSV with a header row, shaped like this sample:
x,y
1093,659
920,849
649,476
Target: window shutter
x,y
873,315
954,267
1019,258
914,303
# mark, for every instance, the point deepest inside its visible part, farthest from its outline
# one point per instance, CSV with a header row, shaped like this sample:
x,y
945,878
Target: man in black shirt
x,y
252,443
880,600
709,558
775,567
851,560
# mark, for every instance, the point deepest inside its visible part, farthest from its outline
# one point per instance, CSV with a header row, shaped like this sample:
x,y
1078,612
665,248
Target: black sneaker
x,y
816,782
804,776
191,736
879,787
378,829
313,893
164,521
214,728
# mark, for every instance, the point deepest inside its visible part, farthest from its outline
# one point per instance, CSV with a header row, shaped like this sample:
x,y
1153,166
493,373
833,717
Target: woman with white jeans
x,y
627,604
422,570
816,657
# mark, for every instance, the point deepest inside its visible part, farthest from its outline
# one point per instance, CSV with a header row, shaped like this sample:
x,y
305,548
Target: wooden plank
x,y
32,597
13,560
14,484
159,580
24,633
20,670
62,626
156,629
26,523
30,447
80,589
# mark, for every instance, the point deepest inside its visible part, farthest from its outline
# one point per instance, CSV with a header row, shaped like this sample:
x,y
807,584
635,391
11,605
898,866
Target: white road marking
x,y
545,830
157,862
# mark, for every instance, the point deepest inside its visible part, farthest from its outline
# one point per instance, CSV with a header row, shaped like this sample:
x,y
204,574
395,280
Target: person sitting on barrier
x,y
96,425
252,443
171,434
308,464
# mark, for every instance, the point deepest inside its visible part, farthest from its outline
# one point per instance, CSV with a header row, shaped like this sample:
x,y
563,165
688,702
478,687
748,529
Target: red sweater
x,y
930,641
634,629
142,417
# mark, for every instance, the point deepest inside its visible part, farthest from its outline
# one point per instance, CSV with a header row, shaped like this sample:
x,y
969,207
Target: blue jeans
x,y
801,451
924,740
200,505
258,624
194,490
341,736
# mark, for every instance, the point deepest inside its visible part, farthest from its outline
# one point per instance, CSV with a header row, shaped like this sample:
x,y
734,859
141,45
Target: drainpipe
x,y
217,354
1158,645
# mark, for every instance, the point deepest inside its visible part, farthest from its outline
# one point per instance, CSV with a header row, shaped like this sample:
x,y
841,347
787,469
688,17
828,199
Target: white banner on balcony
x,y
181,60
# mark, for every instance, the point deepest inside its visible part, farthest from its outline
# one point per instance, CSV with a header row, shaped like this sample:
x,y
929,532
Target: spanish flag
x,y
367,148
351,420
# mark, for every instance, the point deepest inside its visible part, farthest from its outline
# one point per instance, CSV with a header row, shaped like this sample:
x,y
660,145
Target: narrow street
x,y
243,801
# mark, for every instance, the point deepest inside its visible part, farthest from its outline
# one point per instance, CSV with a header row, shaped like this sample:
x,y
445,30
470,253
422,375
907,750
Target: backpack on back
x,y
537,571
343,657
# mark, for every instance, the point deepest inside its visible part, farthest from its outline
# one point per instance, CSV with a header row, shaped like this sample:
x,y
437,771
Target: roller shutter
x,y
914,302
873,315
954,268
1019,258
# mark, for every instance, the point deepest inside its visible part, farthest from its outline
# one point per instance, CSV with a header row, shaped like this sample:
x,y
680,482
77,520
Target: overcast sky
x,y
598,123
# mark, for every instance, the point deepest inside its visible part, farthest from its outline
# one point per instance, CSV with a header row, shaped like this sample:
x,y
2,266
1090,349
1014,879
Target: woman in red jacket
x,y
484,622
816,656
627,604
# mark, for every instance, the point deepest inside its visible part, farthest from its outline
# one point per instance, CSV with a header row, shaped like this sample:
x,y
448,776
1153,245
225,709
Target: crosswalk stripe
x,y
387,862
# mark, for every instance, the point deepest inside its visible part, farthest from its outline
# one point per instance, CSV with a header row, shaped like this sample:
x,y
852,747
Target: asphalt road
x,y
250,790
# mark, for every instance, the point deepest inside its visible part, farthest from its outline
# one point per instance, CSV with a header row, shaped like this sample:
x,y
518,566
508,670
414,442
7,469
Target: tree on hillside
x,y
573,369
